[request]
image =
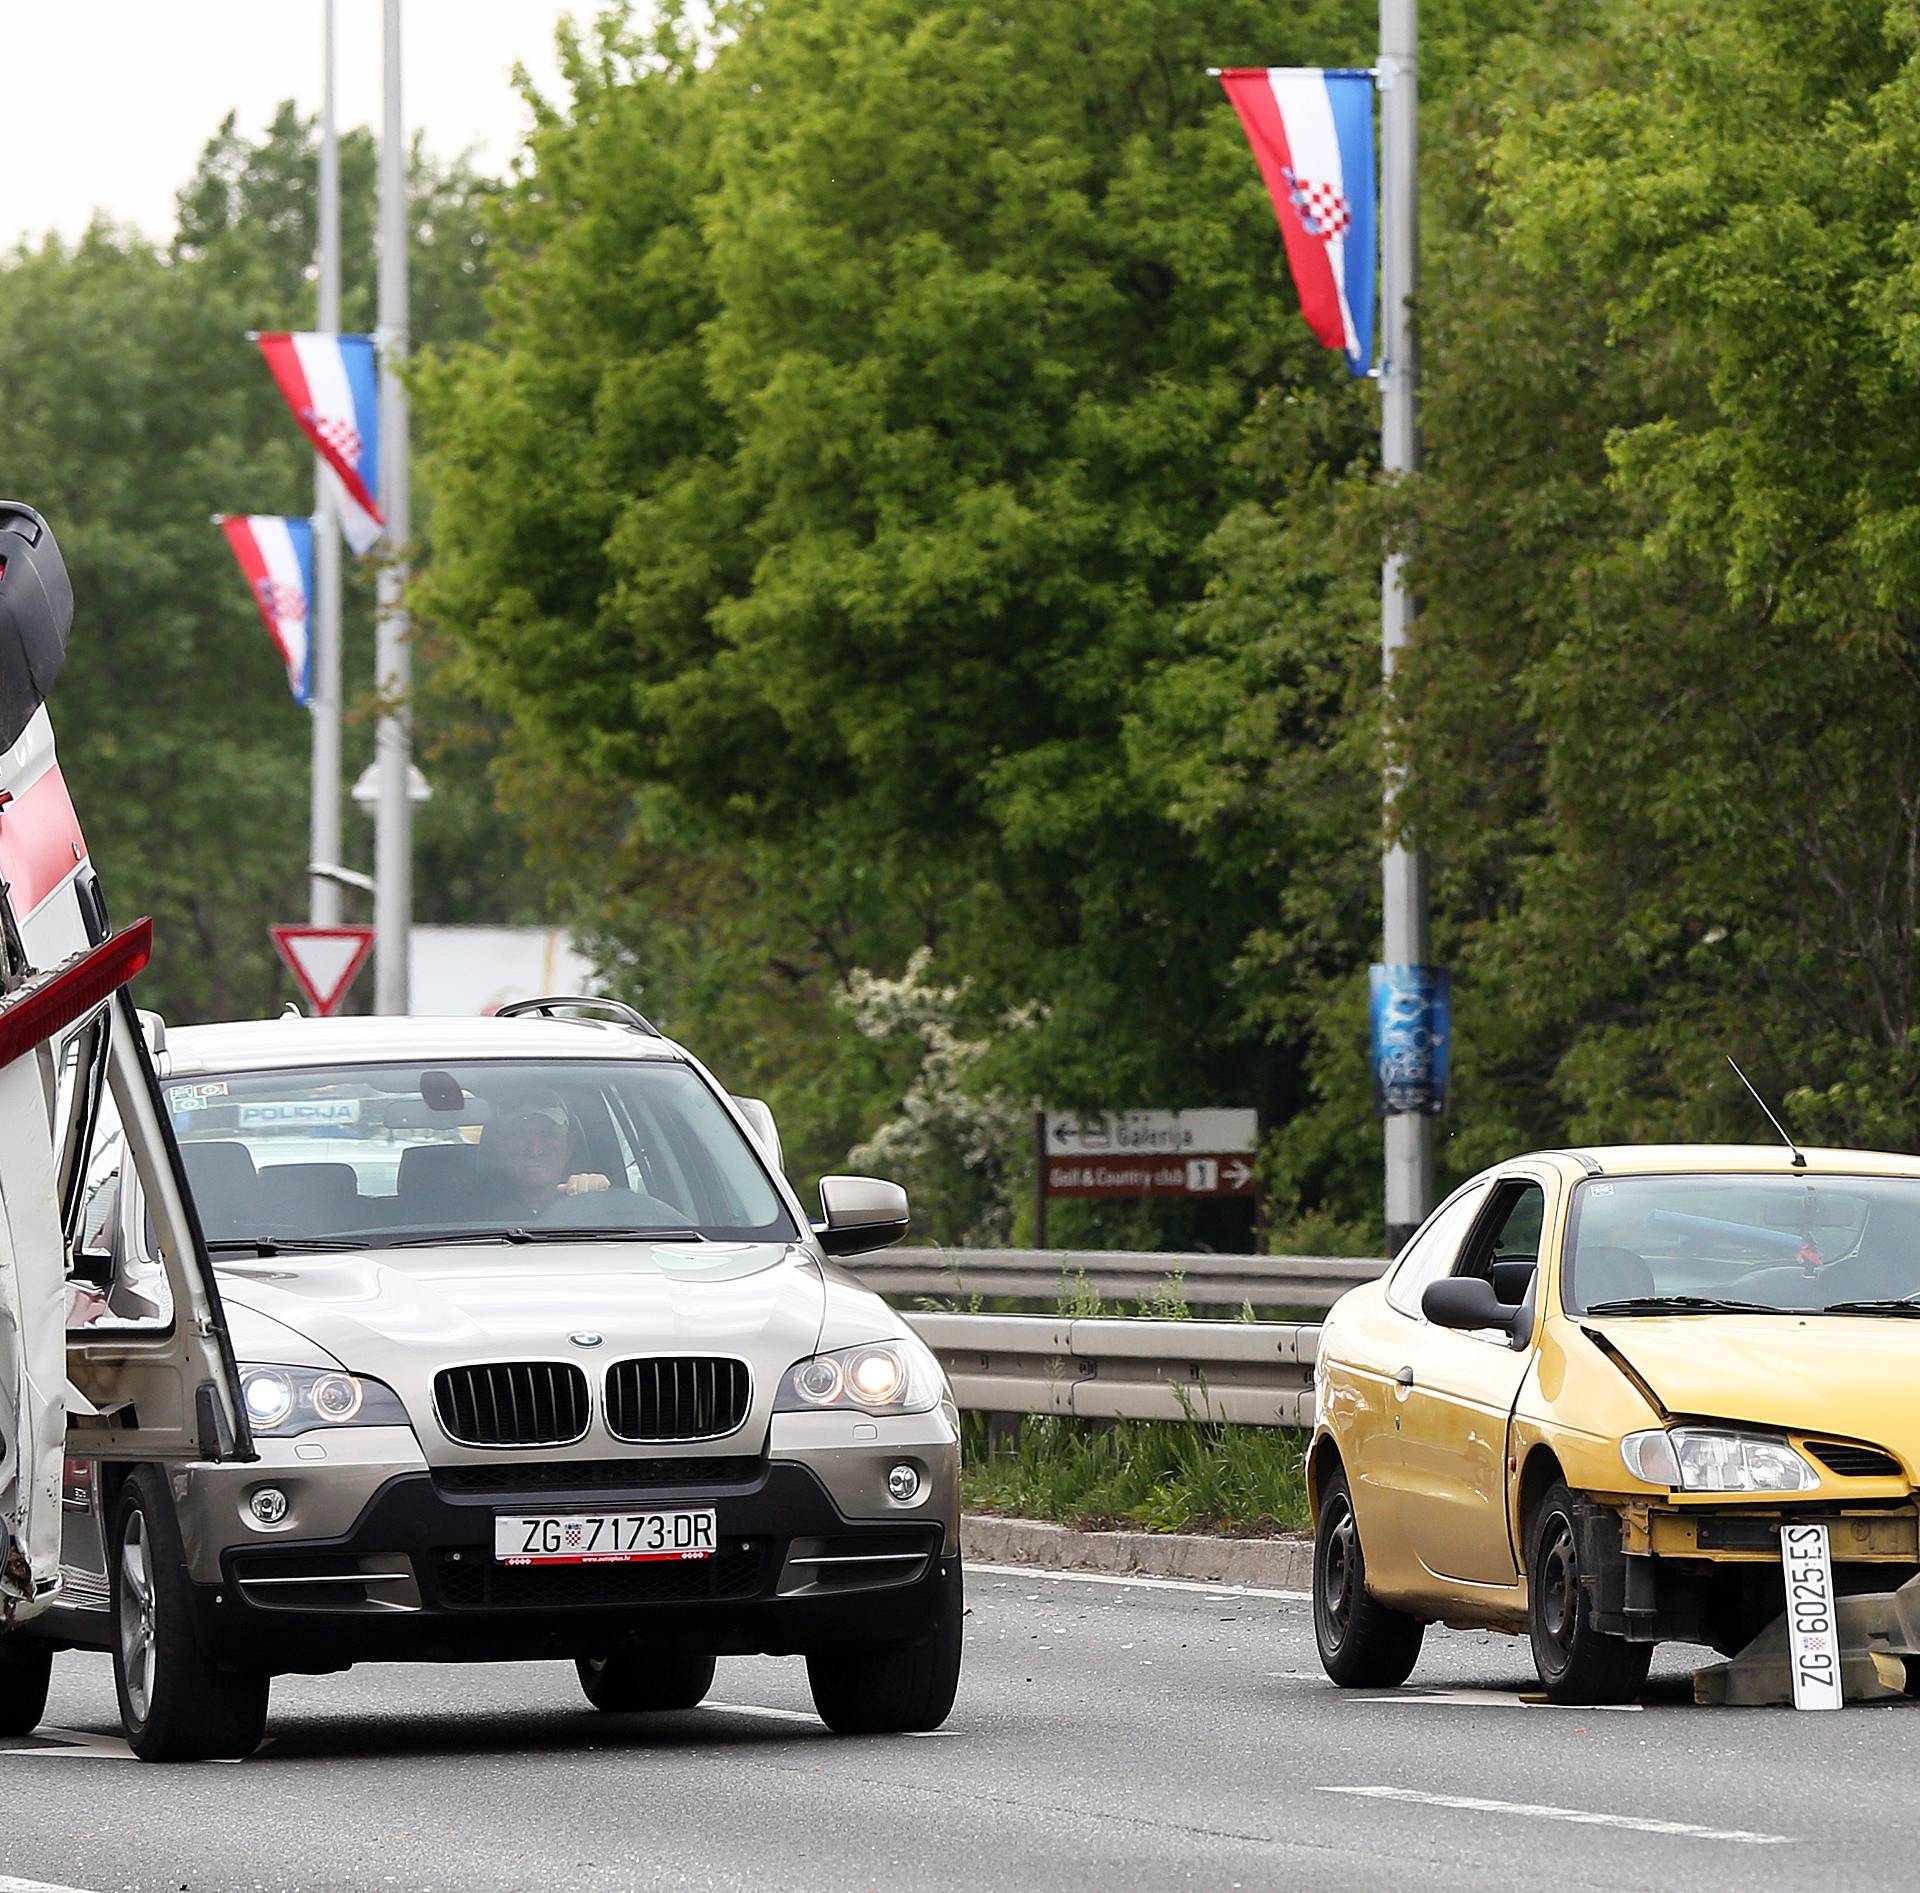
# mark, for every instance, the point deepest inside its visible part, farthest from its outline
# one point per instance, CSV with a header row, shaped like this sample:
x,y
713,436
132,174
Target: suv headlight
x,y
899,1376
283,1401
1716,1459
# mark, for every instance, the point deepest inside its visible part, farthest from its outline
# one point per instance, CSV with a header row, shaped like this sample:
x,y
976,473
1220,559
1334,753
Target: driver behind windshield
x,y
530,1146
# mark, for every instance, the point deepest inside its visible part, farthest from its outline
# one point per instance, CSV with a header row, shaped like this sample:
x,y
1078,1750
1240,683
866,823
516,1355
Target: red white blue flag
x,y
277,557
1312,132
332,384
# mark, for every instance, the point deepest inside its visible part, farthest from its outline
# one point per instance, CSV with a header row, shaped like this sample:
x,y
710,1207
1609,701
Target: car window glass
x,y
1790,1244
1433,1252
400,1153
113,1223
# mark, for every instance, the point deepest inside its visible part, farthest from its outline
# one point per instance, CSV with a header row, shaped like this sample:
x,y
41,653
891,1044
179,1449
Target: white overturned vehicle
x,y
429,1339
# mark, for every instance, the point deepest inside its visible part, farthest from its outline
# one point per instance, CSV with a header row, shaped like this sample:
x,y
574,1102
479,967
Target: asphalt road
x,y
1108,1735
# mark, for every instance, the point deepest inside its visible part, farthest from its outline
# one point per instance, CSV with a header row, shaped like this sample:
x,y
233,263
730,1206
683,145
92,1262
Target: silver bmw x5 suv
x,y
540,1356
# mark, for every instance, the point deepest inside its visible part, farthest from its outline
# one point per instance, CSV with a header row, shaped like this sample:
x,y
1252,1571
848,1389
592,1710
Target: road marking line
x,y
752,1709
8,1884
1580,1817
1205,1586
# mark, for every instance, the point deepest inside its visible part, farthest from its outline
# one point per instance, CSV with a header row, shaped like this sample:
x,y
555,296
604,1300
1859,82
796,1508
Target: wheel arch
x,y
1539,1474
1323,1461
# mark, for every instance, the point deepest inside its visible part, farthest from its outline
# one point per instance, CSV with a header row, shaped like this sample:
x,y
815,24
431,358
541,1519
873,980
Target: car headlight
x,y
898,1376
1716,1459
284,1401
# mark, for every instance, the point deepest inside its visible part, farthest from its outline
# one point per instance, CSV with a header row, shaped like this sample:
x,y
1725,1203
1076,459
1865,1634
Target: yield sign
x,y
324,960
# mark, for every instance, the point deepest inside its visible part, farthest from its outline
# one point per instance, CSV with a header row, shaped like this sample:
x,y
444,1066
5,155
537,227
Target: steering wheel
x,y
589,1210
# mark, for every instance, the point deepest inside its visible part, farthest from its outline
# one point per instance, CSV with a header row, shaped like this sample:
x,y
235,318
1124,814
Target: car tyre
x,y
176,1704
26,1673
642,1679
896,1688
1364,1644
1576,1662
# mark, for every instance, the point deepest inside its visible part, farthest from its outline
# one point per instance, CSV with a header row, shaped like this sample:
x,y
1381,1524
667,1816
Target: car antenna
x,y
1799,1161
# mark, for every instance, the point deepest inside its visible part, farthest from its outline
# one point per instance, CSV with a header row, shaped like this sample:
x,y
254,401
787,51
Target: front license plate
x,y
1813,1637
602,1537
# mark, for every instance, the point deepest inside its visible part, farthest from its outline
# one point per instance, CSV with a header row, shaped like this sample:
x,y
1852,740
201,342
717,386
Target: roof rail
x,y
579,1002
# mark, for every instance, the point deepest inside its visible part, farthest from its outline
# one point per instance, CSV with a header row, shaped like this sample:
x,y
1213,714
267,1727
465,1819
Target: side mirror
x,y
861,1213
766,1133
1466,1301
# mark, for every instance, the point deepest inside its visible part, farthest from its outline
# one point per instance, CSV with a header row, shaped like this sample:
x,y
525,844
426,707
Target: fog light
x,y
903,1482
268,1505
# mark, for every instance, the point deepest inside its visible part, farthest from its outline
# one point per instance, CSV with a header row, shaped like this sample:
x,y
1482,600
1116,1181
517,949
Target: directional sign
x,y
324,960
1150,1153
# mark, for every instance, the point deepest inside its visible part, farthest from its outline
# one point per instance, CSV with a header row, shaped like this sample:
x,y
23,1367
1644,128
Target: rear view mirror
x,y
36,613
862,1213
1466,1301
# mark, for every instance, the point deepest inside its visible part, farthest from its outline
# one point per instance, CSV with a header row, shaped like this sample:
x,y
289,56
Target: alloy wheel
x,y
139,1645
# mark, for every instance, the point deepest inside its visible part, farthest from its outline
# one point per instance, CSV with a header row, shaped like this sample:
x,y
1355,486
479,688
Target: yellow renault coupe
x,y
1594,1387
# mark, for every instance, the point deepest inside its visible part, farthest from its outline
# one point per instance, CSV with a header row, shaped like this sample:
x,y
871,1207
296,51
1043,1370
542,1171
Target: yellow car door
x,y
1455,1394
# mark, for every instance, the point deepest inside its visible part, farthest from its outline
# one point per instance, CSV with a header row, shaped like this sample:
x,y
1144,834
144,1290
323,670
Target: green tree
x,y
135,409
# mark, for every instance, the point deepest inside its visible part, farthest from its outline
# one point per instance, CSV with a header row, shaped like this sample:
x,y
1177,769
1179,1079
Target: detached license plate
x,y
1813,1639
602,1537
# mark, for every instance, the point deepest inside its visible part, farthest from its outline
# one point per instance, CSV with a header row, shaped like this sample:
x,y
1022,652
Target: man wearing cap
x,y
530,1144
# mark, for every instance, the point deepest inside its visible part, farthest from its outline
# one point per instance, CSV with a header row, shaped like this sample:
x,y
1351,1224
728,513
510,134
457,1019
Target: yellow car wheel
x,y
1364,1644
1577,1663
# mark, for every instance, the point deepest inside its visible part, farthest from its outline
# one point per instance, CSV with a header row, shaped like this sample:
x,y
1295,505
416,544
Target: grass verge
x,y
1147,1475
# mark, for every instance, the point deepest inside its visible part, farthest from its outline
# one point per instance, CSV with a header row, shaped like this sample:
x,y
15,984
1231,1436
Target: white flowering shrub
x,y
957,1148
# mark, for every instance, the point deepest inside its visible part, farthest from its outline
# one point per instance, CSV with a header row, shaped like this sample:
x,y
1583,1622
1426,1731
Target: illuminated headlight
x,y
898,1376
283,1401
1713,1459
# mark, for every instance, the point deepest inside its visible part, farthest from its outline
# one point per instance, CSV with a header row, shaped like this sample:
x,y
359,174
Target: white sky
x,y
108,103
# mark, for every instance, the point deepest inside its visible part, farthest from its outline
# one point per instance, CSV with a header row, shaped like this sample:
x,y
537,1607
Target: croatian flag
x,y
332,384
1312,132
277,556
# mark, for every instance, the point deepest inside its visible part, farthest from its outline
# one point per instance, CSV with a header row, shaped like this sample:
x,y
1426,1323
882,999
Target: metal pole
x,y
324,839
1409,1135
393,734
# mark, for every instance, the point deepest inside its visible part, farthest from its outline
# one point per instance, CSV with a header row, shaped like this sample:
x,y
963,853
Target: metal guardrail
x,y
1253,1373
1206,1281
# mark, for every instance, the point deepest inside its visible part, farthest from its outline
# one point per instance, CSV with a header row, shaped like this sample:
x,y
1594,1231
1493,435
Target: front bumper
x,y
415,1578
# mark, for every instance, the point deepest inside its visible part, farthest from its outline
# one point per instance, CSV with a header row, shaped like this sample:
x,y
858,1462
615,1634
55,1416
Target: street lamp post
x,y
1405,942
393,734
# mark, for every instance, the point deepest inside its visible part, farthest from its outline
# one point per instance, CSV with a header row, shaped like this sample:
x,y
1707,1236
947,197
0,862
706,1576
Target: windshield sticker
x,y
1601,1189
194,1097
297,1113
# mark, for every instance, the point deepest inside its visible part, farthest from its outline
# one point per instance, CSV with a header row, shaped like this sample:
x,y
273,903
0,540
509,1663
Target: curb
x,y
1283,1564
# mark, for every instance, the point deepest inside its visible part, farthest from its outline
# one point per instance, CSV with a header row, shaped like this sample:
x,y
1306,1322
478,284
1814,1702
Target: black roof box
x,y
36,613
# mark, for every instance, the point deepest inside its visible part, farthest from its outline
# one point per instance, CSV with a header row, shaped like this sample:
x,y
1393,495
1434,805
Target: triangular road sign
x,y
324,960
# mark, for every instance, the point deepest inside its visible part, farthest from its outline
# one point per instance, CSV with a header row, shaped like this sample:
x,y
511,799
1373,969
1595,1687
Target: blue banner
x,y
1412,1036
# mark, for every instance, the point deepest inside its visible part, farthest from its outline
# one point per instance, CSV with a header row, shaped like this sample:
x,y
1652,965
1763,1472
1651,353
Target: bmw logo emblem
x,y
585,1337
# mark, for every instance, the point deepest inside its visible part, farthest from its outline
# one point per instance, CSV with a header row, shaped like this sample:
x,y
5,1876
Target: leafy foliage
x,y
136,408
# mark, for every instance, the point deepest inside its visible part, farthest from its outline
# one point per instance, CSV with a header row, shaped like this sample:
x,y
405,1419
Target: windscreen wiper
x,y
1686,1305
279,1245
678,1233
1882,1305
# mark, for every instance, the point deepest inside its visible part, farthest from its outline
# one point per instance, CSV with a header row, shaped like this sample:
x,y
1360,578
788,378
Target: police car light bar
x,y
47,1002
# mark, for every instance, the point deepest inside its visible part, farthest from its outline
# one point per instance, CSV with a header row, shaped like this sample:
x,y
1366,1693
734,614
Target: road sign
x,y
324,960
1150,1153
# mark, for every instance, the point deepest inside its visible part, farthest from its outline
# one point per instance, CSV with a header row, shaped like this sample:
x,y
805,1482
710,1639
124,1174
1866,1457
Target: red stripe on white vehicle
x,y
40,842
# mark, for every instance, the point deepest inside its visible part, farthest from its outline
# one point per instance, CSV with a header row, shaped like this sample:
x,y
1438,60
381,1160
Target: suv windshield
x,y
1767,1244
522,1149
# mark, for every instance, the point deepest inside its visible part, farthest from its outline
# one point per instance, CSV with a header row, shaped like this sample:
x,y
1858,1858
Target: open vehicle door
x,y
165,1395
